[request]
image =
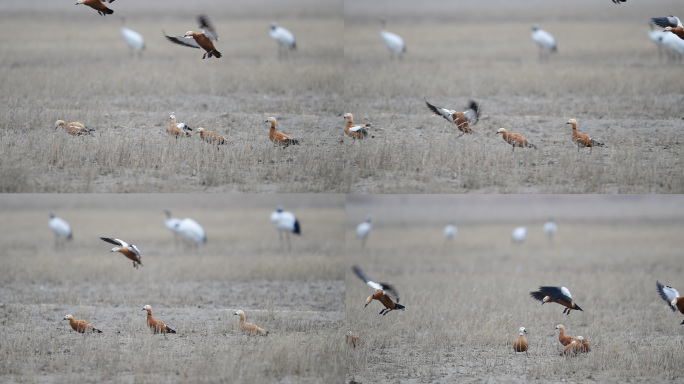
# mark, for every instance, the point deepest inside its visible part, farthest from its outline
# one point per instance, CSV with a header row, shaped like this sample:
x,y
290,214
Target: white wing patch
x,y
356,128
374,285
135,250
565,292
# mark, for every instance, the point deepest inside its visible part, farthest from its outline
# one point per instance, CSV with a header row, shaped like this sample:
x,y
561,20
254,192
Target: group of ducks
x,y
463,122
158,326
388,296
183,130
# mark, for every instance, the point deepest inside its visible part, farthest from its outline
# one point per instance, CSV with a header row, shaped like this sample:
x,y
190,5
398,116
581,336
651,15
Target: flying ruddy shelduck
x,y
202,40
279,138
211,137
671,24
128,250
463,120
74,128
560,295
97,5
384,293
249,328
520,344
177,130
353,130
514,139
81,326
672,297
581,139
157,326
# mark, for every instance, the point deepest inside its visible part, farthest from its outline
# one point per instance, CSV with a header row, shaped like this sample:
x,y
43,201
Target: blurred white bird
x,y
550,229
172,224
285,39
450,232
362,231
133,39
286,222
519,235
656,36
62,230
393,41
675,45
187,227
544,39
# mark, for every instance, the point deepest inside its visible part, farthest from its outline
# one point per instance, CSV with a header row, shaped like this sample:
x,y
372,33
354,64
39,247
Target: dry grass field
x,y
606,74
466,300
69,63
298,296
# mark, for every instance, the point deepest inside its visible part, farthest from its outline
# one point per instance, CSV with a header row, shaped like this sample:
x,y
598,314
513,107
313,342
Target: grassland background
x,y
606,74
466,300
297,296
71,64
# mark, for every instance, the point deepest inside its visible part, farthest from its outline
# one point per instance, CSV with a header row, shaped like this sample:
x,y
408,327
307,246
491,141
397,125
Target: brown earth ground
x,y
466,299
606,74
297,296
67,62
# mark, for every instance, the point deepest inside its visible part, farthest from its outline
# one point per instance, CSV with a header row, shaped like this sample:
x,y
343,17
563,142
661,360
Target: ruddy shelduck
x,y
672,297
177,130
61,228
560,295
462,120
562,337
81,326
355,131
97,5
581,139
74,128
157,326
248,328
514,139
128,250
285,222
211,137
520,344
384,293
353,340
671,24
279,138
204,39
577,345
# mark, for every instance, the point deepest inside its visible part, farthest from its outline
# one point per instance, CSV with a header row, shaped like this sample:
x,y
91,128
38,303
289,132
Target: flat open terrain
x,y
465,300
606,74
69,63
297,296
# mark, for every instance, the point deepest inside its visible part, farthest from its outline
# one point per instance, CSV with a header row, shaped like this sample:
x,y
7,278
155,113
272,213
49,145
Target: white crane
x,y
133,39
519,235
62,230
393,41
286,222
450,232
545,41
550,229
187,227
656,36
286,40
362,231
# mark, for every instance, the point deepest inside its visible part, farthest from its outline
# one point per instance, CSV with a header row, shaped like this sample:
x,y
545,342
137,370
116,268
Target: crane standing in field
x,y
550,229
133,39
362,231
62,230
187,228
284,38
545,41
393,41
519,235
285,221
